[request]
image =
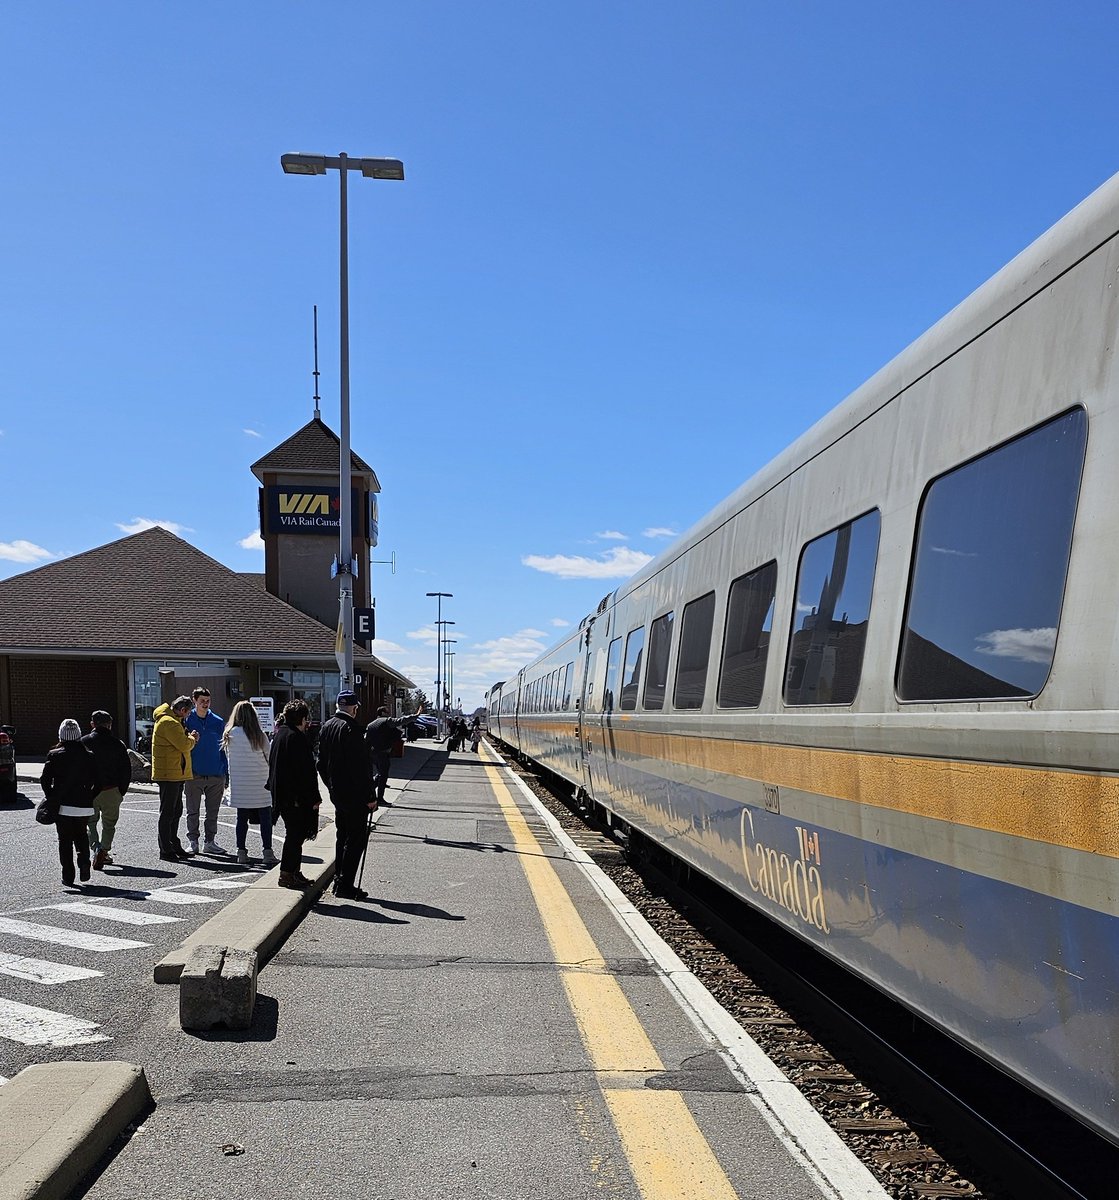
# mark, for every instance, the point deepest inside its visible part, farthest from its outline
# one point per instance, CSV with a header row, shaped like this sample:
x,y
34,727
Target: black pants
x,y
73,839
350,825
295,830
381,761
170,814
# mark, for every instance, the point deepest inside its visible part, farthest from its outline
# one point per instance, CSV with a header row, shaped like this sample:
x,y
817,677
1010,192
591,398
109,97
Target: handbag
x,y
45,813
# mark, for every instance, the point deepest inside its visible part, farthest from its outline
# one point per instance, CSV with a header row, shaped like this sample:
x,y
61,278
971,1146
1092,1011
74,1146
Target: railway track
x,y
928,1118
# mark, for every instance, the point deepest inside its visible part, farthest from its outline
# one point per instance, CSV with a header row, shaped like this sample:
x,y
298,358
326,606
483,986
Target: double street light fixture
x,y
448,667
370,168
439,623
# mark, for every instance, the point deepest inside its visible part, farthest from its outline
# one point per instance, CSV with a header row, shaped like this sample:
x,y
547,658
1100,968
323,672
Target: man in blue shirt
x,y
211,772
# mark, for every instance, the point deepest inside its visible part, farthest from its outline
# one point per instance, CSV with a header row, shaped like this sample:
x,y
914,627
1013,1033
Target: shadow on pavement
x,y
266,1019
417,910
352,911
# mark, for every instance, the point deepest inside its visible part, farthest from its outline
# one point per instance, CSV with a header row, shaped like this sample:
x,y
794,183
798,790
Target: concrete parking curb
x,y
59,1119
261,916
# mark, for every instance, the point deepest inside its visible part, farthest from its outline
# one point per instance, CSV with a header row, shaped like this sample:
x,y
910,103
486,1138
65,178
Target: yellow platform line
x,y
666,1151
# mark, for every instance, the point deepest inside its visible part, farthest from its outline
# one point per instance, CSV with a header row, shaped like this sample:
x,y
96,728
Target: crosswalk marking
x,y
40,971
170,896
126,916
41,1027
66,937
220,885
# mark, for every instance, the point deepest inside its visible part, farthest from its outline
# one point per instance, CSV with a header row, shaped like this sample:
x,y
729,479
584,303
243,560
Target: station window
x,y
992,552
834,582
656,673
635,644
694,652
613,665
746,640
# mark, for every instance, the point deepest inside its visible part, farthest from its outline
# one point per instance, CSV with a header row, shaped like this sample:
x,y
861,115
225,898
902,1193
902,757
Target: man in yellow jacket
x,y
171,747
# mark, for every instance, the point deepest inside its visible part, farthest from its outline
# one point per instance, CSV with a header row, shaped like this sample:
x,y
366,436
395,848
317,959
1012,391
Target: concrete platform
x,y
495,1021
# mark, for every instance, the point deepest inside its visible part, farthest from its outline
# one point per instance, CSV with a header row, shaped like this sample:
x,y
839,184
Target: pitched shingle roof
x,y
312,450
152,593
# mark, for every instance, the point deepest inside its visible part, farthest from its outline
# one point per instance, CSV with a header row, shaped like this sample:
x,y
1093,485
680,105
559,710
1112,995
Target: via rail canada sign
x,y
309,509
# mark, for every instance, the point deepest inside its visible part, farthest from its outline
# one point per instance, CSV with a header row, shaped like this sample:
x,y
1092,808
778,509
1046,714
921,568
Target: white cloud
x,y
559,623
953,553
1026,645
23,552
659,531
251,433
611,535
618,563
139,524
252,542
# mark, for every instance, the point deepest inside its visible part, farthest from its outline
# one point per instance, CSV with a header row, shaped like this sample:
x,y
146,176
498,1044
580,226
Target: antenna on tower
x,y
316,371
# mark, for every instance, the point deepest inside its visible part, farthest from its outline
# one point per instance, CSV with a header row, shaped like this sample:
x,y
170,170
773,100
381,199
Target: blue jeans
x,y
265,826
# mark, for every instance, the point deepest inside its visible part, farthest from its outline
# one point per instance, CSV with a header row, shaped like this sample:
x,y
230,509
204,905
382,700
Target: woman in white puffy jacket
x,y
246,749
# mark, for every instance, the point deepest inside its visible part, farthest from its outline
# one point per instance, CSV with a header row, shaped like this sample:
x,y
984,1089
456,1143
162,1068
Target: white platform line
x,y
39,971
41,1027
66,937
125,916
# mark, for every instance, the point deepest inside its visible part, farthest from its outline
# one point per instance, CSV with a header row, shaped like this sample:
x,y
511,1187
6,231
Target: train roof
x,y
1087,227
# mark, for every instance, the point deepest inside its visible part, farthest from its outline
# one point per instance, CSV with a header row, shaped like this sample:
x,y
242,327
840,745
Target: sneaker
x,y
192,845
214,848
268,858
243,859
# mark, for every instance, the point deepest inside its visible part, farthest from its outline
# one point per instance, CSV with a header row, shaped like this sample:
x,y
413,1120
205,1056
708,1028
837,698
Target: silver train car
x,y
875,692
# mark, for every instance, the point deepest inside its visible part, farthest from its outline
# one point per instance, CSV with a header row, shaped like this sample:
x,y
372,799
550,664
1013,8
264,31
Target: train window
x,y
567,687
834,583
613,665
694,652
635,643
988,578
656,673
746,641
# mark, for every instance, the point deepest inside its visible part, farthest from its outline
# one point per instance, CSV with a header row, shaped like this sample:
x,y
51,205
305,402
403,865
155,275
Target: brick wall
x,y
44,692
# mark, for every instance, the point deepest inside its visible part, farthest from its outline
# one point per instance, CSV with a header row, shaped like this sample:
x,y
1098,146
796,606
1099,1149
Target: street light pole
x,y
443,696
449,654
439,647
370,168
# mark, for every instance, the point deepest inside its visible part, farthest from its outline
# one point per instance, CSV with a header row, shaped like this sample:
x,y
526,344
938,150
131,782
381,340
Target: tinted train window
x,y
834,583
635,643
746,641
695,650
613,665
656,673
567,687
993,541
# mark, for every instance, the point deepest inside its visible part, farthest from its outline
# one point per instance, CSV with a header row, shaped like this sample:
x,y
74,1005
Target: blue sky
x,y
640,248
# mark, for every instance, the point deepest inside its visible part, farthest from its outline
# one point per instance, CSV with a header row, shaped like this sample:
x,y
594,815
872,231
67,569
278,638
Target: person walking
x,y
171,747
114,774
209,770
295,789
246,752
69,782
344,768
382,736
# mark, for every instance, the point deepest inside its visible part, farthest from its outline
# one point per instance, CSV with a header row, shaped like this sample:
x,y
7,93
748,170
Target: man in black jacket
x,y
114,774
382,735
344,768
295,789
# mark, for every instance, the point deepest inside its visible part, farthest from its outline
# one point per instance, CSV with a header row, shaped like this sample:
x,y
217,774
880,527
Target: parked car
x,y
422,726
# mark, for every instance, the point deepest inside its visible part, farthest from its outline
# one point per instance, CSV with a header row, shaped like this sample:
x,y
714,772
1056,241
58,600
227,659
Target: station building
x,y
120,626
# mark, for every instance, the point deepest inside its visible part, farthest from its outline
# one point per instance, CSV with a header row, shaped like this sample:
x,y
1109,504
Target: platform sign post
x,y
266,712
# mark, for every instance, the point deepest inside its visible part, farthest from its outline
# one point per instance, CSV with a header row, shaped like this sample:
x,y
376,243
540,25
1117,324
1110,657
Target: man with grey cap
x,y
344,768
114,774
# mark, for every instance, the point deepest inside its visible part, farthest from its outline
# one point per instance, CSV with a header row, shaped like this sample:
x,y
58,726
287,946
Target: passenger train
x,y
875,692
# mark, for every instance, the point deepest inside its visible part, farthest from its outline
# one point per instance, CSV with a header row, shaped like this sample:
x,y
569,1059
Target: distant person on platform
x,y
294,786
382,736
344,768
171,747
69,782
114,774
210,770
